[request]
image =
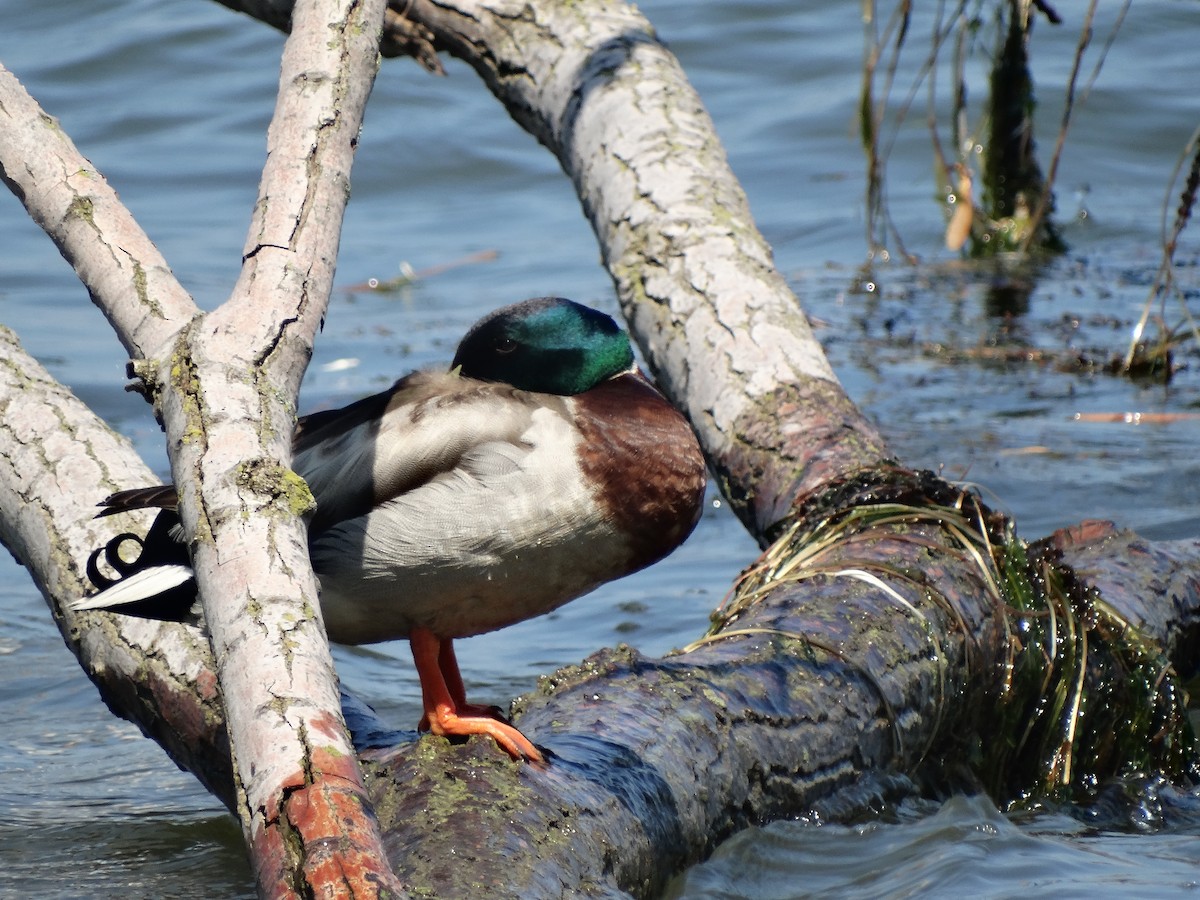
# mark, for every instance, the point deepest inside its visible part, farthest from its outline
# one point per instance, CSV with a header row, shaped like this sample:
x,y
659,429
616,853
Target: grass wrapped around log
x,y
1081,696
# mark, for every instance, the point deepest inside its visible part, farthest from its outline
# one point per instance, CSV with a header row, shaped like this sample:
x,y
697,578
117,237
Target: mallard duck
x,y
540,466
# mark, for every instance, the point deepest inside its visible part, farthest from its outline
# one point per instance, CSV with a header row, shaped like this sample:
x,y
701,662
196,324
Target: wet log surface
x,y
826,699
816,696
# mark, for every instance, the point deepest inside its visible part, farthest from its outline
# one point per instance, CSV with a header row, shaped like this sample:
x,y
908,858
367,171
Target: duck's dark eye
x,y
505,345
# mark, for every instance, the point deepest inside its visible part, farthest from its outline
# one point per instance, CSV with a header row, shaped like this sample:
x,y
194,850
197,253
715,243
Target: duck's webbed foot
x,y
447,711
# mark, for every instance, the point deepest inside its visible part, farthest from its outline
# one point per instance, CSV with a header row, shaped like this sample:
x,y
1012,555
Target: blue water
x,y
170,100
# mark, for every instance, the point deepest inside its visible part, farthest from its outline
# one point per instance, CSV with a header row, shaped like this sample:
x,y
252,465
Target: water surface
x,y
170,100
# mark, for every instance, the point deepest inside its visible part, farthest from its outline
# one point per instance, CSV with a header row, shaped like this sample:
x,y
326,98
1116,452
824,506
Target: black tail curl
x,y
161,546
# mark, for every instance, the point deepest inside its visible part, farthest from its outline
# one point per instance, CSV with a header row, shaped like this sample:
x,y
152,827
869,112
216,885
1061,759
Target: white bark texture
x,y
58,460
225,388
118,264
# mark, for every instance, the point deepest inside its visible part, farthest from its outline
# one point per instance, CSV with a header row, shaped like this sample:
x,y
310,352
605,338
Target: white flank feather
x,y
138,586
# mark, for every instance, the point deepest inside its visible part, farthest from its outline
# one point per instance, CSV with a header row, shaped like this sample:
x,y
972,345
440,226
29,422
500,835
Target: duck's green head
x,y
549,345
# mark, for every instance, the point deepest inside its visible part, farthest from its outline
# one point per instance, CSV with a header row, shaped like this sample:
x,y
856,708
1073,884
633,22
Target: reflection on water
x,y
90,809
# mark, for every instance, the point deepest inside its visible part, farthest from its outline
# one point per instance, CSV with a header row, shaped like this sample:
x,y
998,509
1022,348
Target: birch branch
x,y
58,460
225,388
725,337
63,193
605,814
300,793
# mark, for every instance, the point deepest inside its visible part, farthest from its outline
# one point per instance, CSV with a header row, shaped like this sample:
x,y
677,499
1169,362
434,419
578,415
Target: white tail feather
x,y
139,586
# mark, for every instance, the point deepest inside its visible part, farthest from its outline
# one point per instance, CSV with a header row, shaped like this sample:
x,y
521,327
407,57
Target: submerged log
x,y
1155,585
820,701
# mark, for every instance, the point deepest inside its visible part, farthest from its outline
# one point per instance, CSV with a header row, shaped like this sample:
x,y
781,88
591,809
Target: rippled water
x,y
963,848
171,99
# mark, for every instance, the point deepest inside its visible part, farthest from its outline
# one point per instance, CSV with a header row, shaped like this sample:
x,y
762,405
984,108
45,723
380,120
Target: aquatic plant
x,y
1151,358
991,186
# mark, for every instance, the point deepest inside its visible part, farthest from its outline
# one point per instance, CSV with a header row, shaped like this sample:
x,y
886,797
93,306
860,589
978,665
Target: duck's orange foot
x,y
472,710
448,723
447,711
